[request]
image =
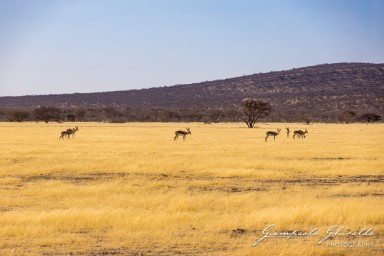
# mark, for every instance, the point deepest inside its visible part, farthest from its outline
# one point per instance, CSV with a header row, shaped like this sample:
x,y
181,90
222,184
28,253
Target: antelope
x,y
184,133
299,133
288,131
73,131
303,135
68,133
274,134
65,133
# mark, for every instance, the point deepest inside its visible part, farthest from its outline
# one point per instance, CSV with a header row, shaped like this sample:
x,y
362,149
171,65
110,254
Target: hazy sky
x,y
67,46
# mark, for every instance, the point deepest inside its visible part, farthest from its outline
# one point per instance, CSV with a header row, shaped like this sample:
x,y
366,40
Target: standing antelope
x,y
288,131
69,132
184,133
299,133
65,133
74,130
274,134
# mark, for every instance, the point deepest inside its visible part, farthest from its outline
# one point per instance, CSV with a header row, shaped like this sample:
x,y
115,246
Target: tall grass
x,y
131,189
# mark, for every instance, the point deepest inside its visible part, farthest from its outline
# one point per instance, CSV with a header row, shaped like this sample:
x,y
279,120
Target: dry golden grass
x,y
130,189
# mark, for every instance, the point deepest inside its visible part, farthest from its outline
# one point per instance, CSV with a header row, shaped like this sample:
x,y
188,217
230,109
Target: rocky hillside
x,y
315,89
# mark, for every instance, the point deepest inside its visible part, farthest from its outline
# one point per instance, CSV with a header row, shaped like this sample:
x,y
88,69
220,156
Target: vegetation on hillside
x,y
317,93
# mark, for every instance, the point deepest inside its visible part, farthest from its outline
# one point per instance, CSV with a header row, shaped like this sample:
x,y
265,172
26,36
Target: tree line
x,y
250,111
118,115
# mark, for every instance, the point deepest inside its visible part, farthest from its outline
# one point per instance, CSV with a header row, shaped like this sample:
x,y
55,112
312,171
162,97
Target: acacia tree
x,y
18,115
347,116
255,109
47,113
307,119
370,118
80,114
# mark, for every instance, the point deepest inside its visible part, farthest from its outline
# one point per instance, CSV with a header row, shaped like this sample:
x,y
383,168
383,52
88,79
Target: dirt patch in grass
x,y
329,181
359,195
234,184
331,158
227,189
76,179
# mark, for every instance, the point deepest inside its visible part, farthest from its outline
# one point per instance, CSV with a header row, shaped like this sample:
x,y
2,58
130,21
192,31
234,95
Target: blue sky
x,y
67,46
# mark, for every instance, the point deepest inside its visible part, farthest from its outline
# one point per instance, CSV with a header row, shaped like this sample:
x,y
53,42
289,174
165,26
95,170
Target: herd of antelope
x,y
68,133
298,133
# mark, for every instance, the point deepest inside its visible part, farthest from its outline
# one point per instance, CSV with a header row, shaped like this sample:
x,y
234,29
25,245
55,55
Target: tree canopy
x,y
255,109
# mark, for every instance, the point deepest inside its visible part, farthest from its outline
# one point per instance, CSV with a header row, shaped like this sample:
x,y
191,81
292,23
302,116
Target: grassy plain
x,y
129,189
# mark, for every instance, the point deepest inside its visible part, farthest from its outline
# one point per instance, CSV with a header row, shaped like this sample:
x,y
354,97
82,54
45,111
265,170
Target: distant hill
x,y
314,89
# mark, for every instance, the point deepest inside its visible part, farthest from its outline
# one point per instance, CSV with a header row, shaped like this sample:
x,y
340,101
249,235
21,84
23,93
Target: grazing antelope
x,y
274,134
299,133
288,131
184,133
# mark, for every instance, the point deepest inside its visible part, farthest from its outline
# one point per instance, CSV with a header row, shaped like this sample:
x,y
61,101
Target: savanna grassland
x,y
129,189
